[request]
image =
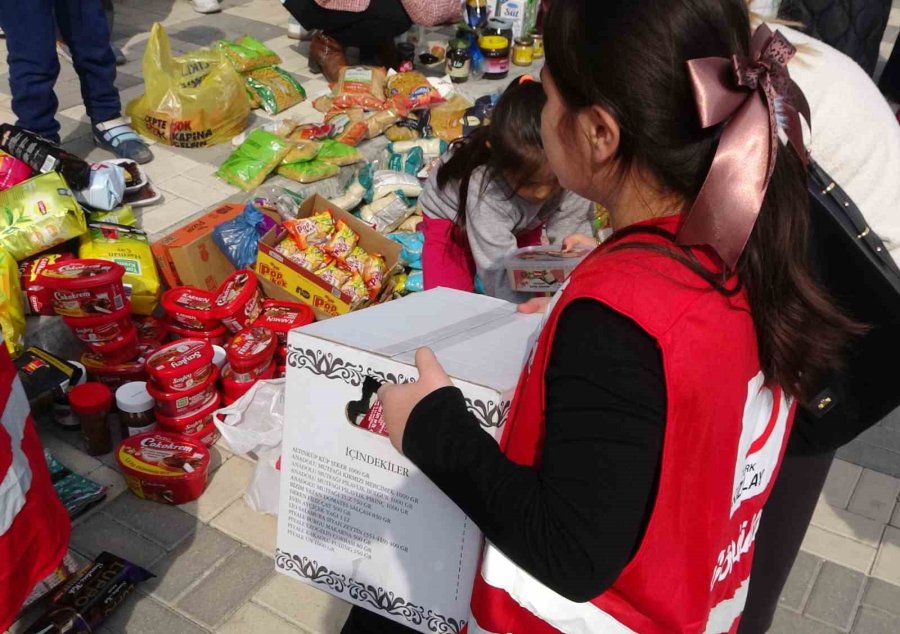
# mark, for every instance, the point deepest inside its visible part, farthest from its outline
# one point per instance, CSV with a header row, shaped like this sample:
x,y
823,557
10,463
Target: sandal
x,y
118,137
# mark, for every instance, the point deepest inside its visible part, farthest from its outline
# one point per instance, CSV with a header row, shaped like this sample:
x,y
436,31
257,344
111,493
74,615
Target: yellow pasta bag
x,y
12,311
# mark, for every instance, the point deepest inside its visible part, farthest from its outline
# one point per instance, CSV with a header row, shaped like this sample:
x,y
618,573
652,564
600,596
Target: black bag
x,y
852,263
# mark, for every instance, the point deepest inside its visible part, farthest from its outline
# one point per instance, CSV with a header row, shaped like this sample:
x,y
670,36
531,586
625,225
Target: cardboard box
x,y
302,285
356,518
188,256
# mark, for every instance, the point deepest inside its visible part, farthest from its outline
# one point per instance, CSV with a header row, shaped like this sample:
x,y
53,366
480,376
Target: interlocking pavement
x,y
213,558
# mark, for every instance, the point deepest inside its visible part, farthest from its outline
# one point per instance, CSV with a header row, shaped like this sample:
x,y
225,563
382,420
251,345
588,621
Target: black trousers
x,y
784,522
383,20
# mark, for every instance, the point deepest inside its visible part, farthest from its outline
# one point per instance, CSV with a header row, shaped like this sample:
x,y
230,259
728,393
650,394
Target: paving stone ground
x,y
213,558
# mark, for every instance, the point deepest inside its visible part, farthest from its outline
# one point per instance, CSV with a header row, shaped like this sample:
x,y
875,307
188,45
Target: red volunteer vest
x,y
724,438
34,525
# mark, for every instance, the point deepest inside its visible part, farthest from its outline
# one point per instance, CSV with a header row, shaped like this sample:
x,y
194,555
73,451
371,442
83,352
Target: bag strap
x,y
867,239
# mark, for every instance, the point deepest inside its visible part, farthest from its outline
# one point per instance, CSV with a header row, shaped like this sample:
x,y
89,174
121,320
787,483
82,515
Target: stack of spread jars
x,y
251,358
183,384
282,317
91,298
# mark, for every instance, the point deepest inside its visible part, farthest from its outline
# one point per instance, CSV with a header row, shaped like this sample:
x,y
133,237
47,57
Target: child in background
x,y
493,193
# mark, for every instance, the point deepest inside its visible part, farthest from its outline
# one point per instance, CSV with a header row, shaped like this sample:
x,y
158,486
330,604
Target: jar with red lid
x,y
181,365
99,329
198,425
191,307
164,467
150,329
82,288
121,349
91,404
251,350
113,374
216,336
283,317
233,389
37,296
239,301
186,401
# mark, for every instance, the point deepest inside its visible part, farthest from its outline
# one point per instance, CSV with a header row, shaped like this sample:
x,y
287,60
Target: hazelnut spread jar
x,y
135,409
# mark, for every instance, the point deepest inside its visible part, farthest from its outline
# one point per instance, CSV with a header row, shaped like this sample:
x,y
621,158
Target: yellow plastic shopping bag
x,y
192,101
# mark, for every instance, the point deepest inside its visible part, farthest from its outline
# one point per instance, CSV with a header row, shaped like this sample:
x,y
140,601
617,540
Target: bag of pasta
x,y
248,53
254,159
276,89
361,86
192,101
12,310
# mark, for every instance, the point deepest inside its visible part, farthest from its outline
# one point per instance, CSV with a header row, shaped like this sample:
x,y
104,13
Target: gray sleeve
x,y
437,203
574,215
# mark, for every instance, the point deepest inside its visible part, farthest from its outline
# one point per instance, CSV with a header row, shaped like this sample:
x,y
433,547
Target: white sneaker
x,y
206,6
295,31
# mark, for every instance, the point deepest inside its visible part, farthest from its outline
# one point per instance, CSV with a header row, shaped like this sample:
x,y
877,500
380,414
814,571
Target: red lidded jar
x,y
181,365
195,425
164,467
251,350
175,404
238,301
191,307
150,329
91,403
217,336
282,317
123,348
81,288
101,328
233,389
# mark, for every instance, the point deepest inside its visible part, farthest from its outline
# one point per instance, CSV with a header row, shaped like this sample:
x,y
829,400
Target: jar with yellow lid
x,y
523,51
495,49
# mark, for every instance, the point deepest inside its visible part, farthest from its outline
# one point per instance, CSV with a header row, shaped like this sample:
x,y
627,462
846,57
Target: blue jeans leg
x,y
33,64
84,27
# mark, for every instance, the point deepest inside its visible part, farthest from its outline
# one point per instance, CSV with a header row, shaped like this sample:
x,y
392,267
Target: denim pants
x,y
31,28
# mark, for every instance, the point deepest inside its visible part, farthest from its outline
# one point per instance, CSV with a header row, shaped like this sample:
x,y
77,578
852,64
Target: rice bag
x,y
411,91
129,247
12,171
301,151
308,171
386,181
248,54
385,214
106,188
12,308
356,261
356,289
311,132
411,162
351,198
430,147
254,159
361,86
374,273
411,224
411,247
379,122
339,153
37,215
341,242
276,88
334,275
400,132
415,282
313,230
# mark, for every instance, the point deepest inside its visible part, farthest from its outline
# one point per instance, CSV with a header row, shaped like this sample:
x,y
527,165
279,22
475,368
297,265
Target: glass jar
x,y
62,411
458,61
523,51
538,44
91,403
495,49
135,409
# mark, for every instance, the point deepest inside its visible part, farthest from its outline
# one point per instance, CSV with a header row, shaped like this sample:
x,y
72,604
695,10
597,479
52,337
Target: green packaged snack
x,y
254,159
275,88
123,215
308,171
301,151
248,53
338,153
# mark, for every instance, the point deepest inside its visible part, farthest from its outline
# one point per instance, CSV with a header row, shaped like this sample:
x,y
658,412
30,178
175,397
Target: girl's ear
x,y
602,132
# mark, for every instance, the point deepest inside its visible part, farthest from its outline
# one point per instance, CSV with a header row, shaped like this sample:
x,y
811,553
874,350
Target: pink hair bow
x,y
755,94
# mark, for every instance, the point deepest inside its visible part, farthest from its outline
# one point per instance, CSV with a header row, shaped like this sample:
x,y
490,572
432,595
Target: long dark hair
x,y
629,56
509,147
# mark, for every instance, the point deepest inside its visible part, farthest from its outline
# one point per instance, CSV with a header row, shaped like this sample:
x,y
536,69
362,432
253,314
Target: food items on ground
x,y
379,122
398,132
42,156
362,86
254,159
191,307
37,296
239,300
89,597
275,88
164,467
339,153
415,282
85,287
129,247
356,260
233,389
217,336
341,242
248,54
182,365
348,126
91,403
12,308
523,51
495,49
135,178
62,410
387,213
308,171
150,329
113,374
313,230
374,274
384,182
334,275
301,150
411,224
12,171
351,198
355,289
123,215
100,328
411,162
135,407
106,187
311,132
430,147
38,214
77,493
251,350
119,350
198,425
282,317
412,91
311,258
446,120
143,197
219,357
176,404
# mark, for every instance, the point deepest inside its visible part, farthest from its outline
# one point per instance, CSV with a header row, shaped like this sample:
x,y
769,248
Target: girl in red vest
x,y
652,416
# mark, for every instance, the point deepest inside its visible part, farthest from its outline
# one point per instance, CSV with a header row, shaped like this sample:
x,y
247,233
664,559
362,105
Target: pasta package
x,y
308,171
254,159
361,86
378,122
276,88
248,54
412,91
302,150
38,214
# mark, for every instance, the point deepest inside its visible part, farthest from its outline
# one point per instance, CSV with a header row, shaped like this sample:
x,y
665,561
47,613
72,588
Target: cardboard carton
x,y
356,518
189,256
300,284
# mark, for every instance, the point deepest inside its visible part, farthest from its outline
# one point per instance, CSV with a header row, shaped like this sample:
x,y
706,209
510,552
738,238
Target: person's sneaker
x,y
206,6
118,137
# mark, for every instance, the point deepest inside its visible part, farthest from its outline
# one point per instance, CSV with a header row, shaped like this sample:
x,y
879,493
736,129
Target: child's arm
x,y
574,215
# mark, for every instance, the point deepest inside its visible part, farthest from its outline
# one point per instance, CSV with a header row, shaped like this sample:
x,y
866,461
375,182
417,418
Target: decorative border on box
x,y
371,596
488,413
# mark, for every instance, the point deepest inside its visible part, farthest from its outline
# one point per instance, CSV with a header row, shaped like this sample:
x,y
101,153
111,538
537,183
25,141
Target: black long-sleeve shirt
x,y
576,521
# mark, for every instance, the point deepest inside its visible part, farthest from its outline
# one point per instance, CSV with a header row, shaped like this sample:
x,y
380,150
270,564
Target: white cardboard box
x,y
356,518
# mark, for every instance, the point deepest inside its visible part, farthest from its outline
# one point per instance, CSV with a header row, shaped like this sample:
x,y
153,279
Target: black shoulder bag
x,y
851,262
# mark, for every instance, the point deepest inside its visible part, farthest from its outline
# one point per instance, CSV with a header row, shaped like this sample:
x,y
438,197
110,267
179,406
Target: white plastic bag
x,y
253,424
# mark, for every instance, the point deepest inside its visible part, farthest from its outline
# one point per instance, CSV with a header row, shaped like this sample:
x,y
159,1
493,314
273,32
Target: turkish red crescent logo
x,y
763,438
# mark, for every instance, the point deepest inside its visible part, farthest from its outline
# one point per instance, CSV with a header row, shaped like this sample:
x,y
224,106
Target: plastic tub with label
x,y
541,269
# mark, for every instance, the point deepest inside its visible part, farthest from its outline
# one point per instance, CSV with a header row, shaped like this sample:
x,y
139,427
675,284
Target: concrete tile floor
x,y
213,558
